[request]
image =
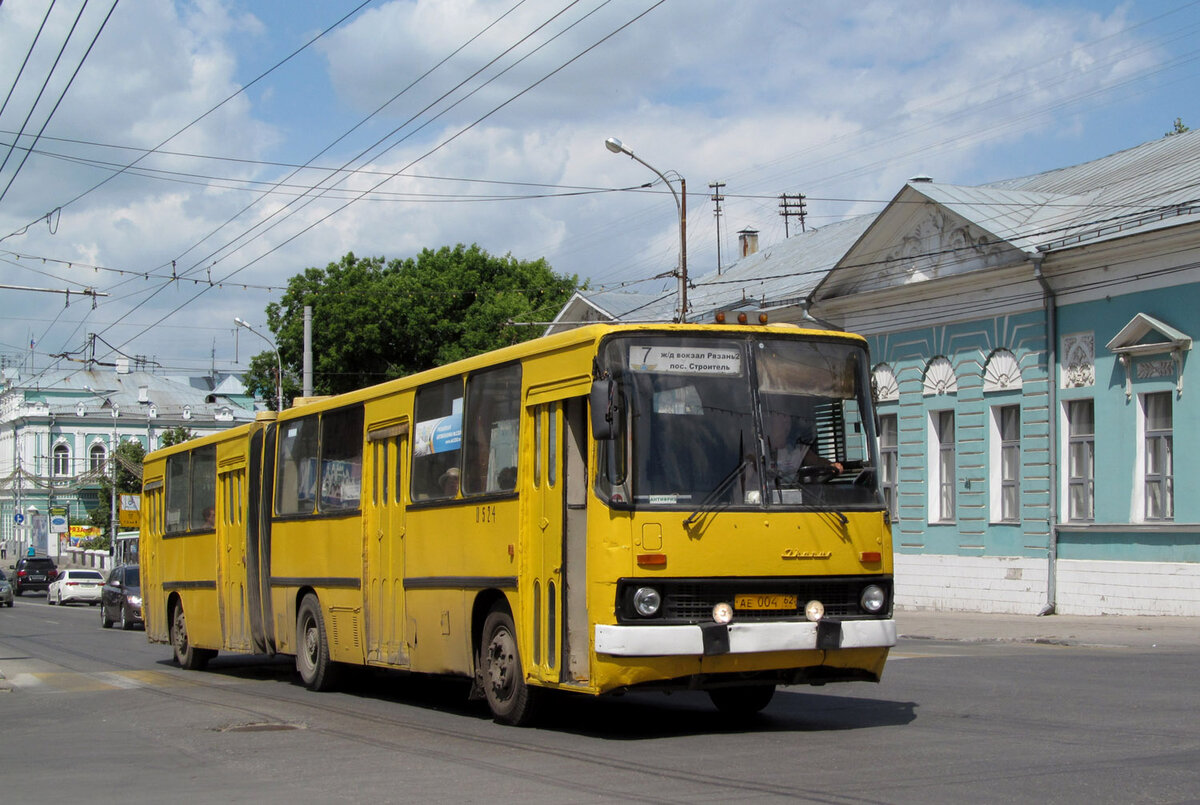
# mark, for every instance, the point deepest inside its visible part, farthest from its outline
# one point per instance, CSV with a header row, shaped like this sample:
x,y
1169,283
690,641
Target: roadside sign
x,y
19,518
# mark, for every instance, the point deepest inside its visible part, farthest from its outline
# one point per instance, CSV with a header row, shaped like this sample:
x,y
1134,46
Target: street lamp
x,y
278,363
617,147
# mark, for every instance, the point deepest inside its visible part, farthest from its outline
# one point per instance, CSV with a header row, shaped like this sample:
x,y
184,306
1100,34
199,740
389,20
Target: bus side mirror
x,y
601,402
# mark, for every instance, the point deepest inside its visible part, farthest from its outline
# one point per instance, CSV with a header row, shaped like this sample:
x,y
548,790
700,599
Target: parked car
x,y
33,573
76,586
121,598
6,590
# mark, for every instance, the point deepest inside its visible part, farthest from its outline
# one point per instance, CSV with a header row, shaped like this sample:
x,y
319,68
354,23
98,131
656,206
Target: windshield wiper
x,y
708,505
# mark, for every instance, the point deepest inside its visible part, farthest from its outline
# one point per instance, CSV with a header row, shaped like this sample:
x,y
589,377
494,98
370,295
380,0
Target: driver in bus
x,y
791,446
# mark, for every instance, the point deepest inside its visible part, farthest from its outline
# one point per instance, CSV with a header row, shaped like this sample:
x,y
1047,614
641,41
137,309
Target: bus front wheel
x,y
745,700
509,698
317,671
188,656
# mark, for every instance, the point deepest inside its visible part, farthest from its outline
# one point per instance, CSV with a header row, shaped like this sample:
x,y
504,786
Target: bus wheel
x,y
742,701
509,698
187,655
317,671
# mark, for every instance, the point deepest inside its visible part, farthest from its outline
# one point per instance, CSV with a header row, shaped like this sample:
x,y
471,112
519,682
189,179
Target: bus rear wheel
x,y
745,700
509,698
317,671
188,656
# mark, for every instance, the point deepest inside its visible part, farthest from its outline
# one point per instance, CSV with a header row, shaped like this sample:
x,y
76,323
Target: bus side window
x,y
493,409
178,488
437,440
296,467
204,488
341,459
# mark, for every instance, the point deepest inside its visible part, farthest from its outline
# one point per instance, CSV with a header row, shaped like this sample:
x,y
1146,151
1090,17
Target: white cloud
x,y
833,100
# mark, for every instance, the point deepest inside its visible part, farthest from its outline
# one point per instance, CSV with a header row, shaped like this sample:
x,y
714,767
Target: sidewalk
x,y
1133,631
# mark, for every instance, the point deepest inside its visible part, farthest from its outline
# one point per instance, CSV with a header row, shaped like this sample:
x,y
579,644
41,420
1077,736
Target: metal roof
x,y
1153,185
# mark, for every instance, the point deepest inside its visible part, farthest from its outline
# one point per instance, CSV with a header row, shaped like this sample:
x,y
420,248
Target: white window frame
x,y
940,511
1068,479
1140,478
889,461
60,460
996,480
93,464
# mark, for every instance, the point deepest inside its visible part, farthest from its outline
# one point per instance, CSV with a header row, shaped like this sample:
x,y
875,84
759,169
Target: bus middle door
x,y
384,547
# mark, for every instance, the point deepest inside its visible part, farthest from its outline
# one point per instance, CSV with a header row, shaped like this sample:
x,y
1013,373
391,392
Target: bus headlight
x,y
814,611
872,599
646,601
722,613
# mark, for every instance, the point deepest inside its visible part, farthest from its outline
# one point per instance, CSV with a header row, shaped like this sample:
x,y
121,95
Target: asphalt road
x,y
95,715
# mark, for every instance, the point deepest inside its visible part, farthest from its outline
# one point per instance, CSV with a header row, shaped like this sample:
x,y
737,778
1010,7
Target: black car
x,y
121,598
33,573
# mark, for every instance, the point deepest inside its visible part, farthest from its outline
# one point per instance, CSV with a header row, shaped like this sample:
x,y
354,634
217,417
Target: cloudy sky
x,y
187,158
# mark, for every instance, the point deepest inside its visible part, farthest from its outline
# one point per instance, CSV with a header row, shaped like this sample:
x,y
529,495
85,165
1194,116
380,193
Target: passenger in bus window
x,y
449,482
507,479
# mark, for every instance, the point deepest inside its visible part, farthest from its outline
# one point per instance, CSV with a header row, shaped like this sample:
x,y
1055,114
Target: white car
x,y
76,586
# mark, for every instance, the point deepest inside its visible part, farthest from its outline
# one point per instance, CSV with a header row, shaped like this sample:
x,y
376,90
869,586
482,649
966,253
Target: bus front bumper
x,y
742,638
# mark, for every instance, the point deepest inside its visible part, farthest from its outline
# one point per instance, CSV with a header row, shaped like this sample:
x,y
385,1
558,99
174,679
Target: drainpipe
x,y
1050,304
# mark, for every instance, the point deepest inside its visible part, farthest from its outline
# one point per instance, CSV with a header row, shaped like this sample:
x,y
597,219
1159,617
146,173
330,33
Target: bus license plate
x,y
764,601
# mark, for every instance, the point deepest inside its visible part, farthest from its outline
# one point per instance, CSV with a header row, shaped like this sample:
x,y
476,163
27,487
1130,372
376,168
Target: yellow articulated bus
x,y
613,508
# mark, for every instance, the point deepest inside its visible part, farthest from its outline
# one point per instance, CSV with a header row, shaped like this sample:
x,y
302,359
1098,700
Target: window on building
x,y
942,467
96,458
62,459
1159,480
1081,460
1006,463
889,456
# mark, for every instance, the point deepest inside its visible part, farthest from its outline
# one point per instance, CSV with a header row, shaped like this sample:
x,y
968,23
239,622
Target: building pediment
x,y
1146,338
914,240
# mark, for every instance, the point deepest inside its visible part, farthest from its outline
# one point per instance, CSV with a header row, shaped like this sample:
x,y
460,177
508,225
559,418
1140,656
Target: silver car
x,y
6,591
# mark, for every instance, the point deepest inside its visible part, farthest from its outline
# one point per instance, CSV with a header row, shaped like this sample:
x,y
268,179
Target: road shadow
x,y
627,717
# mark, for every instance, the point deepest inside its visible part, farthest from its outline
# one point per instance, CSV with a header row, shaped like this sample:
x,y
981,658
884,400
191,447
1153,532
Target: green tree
x,y
374,320
1178,128
176,435
128,459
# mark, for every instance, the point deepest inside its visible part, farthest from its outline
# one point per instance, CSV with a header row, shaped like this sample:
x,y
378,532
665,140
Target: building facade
x,y
58,429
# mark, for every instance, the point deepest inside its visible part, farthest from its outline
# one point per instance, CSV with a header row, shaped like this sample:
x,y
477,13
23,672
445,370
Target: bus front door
x,y
384,549
559,617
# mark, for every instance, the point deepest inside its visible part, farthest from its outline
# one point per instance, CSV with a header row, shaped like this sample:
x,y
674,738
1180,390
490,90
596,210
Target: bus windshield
x,y
760,421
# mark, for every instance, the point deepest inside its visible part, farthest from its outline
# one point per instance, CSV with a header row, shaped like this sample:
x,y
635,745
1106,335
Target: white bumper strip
x,y
744,638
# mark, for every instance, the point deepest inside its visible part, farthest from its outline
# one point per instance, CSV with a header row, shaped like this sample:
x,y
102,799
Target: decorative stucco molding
x,y
939,245
1078,360
940,377
884,384
1002,372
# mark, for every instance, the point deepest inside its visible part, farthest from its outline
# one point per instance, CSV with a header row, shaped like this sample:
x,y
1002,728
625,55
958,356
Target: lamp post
x,y
278,363
617,147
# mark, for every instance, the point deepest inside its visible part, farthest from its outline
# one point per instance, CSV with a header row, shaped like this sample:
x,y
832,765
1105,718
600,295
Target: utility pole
x,y
791,206
717,198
